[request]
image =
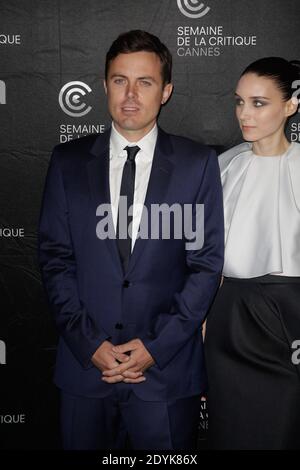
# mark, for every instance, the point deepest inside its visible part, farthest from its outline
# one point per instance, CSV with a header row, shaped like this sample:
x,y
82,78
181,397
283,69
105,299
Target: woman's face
x,y
260,108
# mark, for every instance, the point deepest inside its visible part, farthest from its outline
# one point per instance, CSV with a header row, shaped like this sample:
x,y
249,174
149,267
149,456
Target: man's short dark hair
x,y
136,41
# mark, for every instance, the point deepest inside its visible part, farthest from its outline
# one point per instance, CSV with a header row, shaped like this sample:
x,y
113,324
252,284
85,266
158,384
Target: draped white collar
x,y
262,215
240,157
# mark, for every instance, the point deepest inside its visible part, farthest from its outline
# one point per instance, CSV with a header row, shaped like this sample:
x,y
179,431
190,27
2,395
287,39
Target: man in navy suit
x,y
129,309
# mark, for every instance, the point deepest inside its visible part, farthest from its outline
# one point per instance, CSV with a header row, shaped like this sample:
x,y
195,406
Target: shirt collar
x,y
146,143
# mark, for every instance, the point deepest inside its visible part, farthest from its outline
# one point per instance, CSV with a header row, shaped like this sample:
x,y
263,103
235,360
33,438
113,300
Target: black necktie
x,y
124,236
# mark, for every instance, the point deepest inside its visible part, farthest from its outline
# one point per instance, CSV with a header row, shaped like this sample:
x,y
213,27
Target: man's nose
x,y
131,90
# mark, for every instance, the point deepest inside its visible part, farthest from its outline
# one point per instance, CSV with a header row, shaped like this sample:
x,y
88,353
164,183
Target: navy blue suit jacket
x,y
164,296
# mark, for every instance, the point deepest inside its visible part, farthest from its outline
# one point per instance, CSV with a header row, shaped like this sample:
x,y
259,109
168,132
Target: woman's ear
x,y
292,106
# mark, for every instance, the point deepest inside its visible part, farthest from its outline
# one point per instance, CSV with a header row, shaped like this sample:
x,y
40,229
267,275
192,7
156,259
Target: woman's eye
x,y
258,103
238,102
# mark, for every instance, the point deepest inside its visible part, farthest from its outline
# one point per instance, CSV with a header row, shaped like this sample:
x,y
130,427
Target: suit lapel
x,y
98,176
157,187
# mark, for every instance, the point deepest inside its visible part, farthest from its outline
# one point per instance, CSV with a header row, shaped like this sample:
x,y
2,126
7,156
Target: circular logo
x,y
192,8
69,98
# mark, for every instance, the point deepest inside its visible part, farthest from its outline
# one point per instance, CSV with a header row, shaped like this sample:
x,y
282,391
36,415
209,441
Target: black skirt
x,y
251,356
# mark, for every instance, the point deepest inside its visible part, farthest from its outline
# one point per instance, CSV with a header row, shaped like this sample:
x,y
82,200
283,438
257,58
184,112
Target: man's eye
x,y
145,83
119,81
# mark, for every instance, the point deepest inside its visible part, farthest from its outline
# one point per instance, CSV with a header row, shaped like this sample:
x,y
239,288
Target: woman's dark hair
x,y
136,41
283,72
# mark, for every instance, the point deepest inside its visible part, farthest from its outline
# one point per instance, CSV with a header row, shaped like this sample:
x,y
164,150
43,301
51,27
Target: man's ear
x,y
167,91
105,86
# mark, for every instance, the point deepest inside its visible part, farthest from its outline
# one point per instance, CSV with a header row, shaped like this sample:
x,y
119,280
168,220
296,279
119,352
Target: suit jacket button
x,y
126,283
119,326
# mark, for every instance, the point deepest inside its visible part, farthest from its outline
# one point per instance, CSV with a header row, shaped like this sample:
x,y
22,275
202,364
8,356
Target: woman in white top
x,y
253,329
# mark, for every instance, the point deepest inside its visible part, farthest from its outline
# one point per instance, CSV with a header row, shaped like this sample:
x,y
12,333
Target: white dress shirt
x,y
262,212
143,162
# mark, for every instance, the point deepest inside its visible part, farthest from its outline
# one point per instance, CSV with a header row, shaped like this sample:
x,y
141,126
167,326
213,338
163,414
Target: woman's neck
x,y
271,147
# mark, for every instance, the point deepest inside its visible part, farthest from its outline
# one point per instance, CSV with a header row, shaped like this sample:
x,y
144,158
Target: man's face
x,y
135,92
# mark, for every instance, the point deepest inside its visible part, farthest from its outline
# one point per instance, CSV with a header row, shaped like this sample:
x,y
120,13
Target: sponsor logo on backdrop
x,y
2,352
198,41
10,39
295,132
12,232
295,126
72,102
296,94
2,92
206,40
73,131
70,99
12,419
192,8
296,353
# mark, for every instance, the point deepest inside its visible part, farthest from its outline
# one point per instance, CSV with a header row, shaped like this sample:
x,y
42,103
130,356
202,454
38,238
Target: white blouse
x,y
262,212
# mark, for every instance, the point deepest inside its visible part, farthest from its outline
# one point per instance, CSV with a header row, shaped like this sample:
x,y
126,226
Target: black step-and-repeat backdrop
x,y
51,69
